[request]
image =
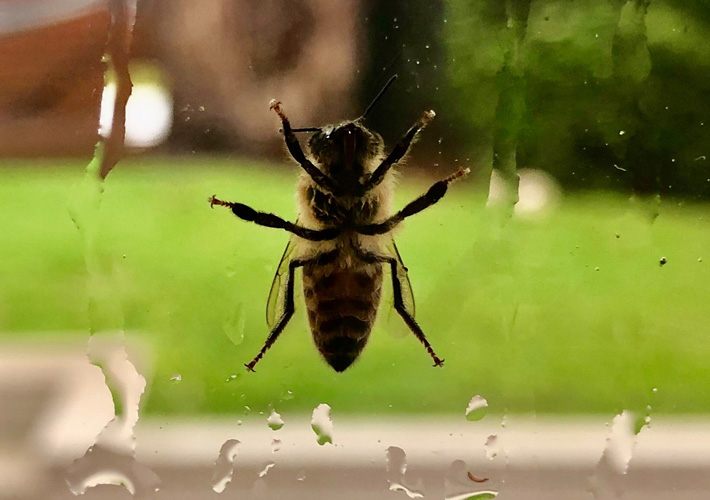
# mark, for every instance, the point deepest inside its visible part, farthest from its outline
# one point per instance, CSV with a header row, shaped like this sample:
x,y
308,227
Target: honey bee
x,y
342,238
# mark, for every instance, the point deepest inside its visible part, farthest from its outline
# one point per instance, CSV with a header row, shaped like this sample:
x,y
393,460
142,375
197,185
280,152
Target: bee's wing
x,y
403,277
274,305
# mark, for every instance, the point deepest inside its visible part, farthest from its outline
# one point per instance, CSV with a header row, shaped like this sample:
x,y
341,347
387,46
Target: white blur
x,y
539,192
149,114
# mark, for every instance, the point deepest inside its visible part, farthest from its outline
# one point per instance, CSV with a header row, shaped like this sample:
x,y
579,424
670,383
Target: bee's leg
x,y
399,304
294,147
406,316
399,151
247,213
435,193
285,317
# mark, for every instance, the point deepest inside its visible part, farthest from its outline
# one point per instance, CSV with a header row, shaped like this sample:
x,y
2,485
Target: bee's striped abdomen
x,y
342,306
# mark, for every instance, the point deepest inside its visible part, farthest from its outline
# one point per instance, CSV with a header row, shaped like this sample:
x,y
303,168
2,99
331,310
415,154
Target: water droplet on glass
x,y
460,484
224,467
201,108
301,476
286,395
396,470
275,445
476,408
176,377
491,447
101,465
662,261
266,468
322,424
479,495
622,132
232,377
426,46
275,421
235,324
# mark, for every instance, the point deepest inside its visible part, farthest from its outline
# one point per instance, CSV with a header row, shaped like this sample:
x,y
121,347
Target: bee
x,y
342,239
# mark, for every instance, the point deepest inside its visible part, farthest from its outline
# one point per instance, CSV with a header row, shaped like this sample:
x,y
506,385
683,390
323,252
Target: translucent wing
x,y
275,303
403,277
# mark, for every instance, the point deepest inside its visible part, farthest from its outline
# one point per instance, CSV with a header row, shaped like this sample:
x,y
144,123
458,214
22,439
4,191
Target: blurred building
x,y
50,75
220,61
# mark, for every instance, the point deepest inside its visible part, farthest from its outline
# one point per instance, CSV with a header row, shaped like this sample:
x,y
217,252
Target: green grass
x,y
550,315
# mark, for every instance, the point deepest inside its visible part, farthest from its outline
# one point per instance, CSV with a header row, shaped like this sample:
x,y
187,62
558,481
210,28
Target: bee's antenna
x,y
305,129
374,101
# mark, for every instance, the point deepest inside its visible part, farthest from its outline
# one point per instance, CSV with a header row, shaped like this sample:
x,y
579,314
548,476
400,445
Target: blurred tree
x,y
632,67
596,113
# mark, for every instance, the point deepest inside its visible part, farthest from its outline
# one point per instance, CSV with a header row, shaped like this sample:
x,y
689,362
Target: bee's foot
x,y
438,362
250,367
276,106
215,201
463,172
427,117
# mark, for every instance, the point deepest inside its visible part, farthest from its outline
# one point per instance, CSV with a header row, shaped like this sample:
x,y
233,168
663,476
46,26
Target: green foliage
x,y
569,313
606,85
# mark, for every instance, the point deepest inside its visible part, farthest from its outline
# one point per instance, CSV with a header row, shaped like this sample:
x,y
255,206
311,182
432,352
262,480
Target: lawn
x,y
567,313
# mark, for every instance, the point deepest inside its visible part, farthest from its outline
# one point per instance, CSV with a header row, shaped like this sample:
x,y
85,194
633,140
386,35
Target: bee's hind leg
x,y
399,304
406,316
285,316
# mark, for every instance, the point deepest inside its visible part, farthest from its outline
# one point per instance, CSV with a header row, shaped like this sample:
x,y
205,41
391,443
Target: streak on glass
x,y
112,458
607,480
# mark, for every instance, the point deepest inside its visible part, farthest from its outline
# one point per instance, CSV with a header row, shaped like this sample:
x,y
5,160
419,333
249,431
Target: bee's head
x,y
346,151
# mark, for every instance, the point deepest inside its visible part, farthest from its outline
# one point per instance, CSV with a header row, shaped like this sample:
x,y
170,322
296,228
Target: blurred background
x,y
566,276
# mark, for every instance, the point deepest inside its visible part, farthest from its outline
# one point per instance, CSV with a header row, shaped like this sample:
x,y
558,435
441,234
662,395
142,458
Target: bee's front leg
x,y
294,147
399,150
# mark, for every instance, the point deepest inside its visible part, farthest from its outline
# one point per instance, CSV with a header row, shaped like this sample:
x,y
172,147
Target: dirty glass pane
x,y
538,330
